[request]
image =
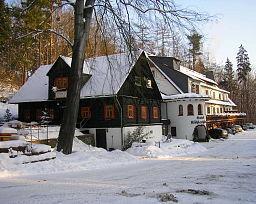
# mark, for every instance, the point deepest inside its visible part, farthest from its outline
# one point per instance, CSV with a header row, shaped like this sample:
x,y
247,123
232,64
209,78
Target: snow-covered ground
x,y
224,173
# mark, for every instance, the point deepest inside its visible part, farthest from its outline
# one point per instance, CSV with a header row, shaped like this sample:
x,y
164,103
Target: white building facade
x,y
190,99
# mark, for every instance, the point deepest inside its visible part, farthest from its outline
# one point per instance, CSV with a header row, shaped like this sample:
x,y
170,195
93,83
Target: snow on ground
x,y
225,174
175,147
42,133
84,157
12,107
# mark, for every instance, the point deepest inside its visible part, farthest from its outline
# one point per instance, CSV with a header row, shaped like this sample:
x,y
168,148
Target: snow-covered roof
x,y
68,61
8,130
185,96
36,87
108,75
231,102
224,103
215,88
196,75
168,78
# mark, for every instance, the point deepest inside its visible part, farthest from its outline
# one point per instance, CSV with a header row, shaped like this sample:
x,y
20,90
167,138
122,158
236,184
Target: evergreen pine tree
x,y
8,115
195,46
5,19
243,65
243,70
228,75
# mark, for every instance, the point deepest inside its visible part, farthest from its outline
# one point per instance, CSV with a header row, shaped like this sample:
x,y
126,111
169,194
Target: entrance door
x,y
101,140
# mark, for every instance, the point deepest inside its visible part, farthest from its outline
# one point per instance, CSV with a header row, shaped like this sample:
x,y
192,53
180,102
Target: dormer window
x,y
137,81
148,83
61,82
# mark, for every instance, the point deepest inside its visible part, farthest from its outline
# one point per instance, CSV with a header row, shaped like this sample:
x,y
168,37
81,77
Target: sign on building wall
x,y
61,94
198,120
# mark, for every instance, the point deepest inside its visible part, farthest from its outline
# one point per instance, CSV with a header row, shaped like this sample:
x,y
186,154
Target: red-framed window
x,y
109,112
86,112
131,112
155,112
61,82
144,112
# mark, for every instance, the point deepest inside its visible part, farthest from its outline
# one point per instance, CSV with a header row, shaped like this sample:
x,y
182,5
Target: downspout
x,y
166,110
121,116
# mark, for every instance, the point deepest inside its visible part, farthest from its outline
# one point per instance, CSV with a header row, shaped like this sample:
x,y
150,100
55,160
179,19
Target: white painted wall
x,y
183,124
163,84
154,130
216,107
113,135
112,142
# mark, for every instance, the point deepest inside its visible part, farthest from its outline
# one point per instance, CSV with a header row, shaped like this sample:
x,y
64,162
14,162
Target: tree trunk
x,y
83,16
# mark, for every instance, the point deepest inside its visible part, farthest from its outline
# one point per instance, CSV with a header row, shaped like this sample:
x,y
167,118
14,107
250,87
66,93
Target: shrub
x,y
137,135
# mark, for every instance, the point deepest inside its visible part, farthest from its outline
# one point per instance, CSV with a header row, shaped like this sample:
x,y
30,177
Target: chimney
x,y
210,75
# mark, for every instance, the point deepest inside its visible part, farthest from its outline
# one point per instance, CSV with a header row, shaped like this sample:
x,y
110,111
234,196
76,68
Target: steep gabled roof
x,y
196,75
163,73
178,79
108,75
35,88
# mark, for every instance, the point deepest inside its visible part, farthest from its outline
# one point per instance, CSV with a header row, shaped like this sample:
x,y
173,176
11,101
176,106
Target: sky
x,y
235,25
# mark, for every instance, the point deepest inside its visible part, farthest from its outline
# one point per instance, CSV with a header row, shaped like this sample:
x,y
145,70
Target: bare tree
x,y
122,13
119,16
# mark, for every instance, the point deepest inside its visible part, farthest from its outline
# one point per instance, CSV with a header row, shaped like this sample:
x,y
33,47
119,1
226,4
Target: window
x,y
207,92
155,112
221,110
130,111
180,110
220,96
137,81
144,112
193,88
213,95
86,112
109,112
61,82
213,110
190,109
197,89
208,110
217,110
200,109
148,83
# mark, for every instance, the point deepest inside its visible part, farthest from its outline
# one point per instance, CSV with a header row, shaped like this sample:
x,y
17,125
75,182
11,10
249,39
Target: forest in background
x,y
43,32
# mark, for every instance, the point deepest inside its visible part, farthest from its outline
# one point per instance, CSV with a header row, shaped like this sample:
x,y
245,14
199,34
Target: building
x,y
118,94
191,99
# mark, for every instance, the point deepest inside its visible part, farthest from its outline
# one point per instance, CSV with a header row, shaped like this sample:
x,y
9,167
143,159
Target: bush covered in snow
x,y
136,136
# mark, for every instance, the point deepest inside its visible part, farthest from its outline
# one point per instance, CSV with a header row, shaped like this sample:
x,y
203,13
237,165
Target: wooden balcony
x,y
225,119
